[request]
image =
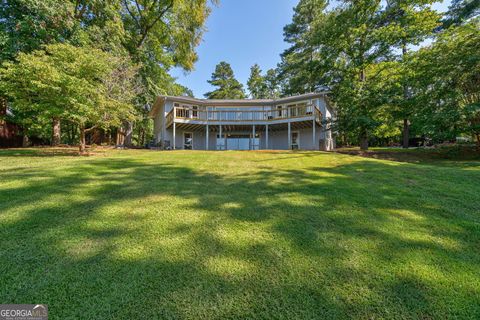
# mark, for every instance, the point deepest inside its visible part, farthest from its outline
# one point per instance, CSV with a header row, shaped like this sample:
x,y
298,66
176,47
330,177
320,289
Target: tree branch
x,y
91,128
154,22
137,22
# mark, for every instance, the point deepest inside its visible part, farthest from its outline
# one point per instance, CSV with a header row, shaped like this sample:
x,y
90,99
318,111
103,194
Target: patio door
x,y
295,140
188,140
243,142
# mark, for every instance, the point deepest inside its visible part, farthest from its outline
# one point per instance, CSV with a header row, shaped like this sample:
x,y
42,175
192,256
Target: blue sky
x,y
243,32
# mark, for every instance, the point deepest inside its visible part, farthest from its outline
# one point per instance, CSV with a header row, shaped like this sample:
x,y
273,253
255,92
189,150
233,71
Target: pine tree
x,y
461,11
227,86
300,63
256,83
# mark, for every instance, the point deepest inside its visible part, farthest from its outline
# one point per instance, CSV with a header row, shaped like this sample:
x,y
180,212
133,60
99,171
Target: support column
x,y
289,137
206,137
266,136
253,137
314,140
221,137
174,135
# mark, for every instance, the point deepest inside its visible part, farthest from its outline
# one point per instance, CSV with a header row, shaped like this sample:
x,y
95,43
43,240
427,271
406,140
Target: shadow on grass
x,y
465,156
49,152
136,239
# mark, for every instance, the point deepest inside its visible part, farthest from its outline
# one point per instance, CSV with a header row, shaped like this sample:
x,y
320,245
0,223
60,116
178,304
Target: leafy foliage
x,y
85,86
461,11
155,35
447,83
359,50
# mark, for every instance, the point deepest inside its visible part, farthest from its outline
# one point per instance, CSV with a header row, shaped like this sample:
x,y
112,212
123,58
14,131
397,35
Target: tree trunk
x,y
364,140
364,132
406,124
56,131
128,134
142,137
3,106
25,141
120,137
406,133
82,140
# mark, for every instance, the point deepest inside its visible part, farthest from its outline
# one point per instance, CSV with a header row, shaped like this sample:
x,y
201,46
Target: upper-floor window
x,y
292,110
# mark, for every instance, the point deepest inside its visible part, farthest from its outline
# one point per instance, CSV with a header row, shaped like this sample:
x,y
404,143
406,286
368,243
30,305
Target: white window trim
x,y
183,142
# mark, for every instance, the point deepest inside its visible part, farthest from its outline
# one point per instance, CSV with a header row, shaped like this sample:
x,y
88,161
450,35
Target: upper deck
x,y
259,116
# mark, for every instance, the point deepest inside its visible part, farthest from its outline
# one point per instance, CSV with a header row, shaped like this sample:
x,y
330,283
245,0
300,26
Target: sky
x,y
242,33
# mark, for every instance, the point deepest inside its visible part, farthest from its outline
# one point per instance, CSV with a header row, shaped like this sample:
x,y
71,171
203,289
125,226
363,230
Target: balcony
x,y
280,115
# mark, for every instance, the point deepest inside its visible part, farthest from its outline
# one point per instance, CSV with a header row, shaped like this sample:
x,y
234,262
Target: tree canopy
x,y
365,53
154,35
227,87
85,86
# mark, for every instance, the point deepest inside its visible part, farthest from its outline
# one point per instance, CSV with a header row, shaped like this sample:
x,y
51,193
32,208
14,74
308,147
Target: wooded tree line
x,y
366,53
73,66
384,88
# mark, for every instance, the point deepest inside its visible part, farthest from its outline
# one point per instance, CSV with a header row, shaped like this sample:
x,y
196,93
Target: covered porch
x,y
287,135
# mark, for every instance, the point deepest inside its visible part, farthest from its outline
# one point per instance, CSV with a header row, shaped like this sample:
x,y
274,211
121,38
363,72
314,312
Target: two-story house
x,y
297,122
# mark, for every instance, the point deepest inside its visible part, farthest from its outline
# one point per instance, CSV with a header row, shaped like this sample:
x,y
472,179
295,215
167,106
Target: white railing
x,y
243,115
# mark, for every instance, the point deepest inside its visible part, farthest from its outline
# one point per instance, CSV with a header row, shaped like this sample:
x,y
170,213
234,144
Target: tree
x,y
447,83
227,86
85,86
25,25
410,22
160,35
156,35
461,11
256,83
301,63
271,84
352,39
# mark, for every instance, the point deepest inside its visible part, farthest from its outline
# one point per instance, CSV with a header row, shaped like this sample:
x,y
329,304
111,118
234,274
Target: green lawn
x,y
213,235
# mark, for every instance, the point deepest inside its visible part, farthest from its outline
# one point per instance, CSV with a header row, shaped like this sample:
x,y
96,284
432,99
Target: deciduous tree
x,y
85,86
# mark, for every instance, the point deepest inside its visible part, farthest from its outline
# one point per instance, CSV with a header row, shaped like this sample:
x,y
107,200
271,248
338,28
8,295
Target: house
x,y
9,132
297,122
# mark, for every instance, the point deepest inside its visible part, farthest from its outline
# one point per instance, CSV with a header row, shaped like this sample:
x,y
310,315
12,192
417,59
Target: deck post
x,y
174,135
313,133
289,137
266,136
253,138
221,137
206,137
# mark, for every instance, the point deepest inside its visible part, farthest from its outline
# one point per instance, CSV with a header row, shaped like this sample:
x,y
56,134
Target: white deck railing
x,y
243,115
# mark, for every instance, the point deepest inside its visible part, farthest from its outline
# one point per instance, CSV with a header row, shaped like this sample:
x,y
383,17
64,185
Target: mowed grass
x,y
214,235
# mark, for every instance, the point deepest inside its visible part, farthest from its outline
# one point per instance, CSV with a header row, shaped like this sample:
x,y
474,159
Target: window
x,y
302,109
295,140
279,110
293,110
186,111
188,140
